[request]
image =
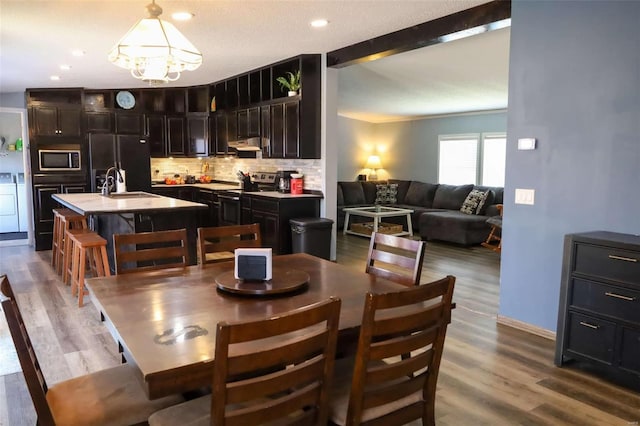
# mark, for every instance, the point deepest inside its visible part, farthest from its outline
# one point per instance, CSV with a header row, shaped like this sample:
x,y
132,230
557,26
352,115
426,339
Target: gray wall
x,y
407,149
13,100
574,84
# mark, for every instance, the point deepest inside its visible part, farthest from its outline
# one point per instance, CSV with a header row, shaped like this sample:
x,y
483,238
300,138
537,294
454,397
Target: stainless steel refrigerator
x,y
130,152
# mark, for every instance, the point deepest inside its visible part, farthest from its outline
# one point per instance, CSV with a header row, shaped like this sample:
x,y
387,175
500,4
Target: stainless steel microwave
x,y
50,160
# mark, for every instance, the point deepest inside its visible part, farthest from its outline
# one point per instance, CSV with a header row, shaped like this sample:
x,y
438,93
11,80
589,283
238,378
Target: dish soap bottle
x,y
19,144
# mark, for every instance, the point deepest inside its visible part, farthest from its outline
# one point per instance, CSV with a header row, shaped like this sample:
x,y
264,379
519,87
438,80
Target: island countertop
x,y
93,203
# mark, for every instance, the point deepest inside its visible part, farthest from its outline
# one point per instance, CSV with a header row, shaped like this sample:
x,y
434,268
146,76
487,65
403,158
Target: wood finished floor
x,y
490,374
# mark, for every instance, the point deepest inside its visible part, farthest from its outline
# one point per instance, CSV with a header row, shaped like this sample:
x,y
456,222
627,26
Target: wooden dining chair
x,y
380,385
395,258
494,240
147,251
270,371
216,244
108,397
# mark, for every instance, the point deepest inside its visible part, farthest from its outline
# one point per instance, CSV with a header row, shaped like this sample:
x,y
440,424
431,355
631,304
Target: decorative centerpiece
x,y
291,82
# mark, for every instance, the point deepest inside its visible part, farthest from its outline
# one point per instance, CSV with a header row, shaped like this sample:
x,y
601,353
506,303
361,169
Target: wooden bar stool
x,y
87,246
68,248
63,220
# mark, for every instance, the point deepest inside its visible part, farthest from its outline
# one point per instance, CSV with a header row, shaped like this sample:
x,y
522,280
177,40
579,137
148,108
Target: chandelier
x,y
154,50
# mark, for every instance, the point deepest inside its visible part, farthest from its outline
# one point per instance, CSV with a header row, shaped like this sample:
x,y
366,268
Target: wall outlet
x,y
525,196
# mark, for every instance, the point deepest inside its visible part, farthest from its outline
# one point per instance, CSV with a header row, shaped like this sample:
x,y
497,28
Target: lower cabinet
x,y
273,215
208,217
43,206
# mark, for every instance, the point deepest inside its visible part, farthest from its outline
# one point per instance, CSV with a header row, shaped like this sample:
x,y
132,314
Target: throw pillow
x,y
387,194
474,202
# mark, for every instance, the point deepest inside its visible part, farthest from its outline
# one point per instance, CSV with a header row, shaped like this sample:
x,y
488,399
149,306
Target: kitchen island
x,y
134,212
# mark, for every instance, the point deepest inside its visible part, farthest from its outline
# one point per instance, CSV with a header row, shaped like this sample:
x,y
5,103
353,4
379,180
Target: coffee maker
x,y
283,180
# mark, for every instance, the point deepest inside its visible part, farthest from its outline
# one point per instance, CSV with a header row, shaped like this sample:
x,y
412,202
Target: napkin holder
x,y
253,264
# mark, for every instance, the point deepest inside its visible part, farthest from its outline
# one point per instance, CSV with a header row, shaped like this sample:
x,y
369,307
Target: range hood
x,y
249,144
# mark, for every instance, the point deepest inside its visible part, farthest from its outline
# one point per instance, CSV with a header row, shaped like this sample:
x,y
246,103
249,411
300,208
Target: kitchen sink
x,y
132,194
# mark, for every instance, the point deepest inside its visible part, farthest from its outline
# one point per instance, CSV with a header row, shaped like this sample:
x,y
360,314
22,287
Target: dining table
x,y
164,321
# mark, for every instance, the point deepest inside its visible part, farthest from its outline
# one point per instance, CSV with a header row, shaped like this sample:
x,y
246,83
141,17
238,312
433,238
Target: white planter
x,y
292,93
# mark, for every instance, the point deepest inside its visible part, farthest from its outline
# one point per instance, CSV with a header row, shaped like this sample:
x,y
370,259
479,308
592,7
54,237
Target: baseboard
x,y
529,328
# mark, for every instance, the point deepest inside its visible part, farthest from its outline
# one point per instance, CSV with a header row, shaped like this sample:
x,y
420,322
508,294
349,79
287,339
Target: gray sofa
x,y
436,208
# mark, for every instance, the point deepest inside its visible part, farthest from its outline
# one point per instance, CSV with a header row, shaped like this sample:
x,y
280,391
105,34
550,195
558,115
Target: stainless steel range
x,y
266,180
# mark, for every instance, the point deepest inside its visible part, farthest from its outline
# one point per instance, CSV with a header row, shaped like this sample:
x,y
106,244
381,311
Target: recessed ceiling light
x,y
319,23
182,16
55,77
77,52
65,67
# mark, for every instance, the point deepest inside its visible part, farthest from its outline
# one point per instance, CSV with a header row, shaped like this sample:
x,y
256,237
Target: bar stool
x,y
92,246
63,220
68,248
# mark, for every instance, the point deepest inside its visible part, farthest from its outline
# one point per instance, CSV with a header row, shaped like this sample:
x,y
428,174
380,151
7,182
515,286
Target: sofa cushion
x,y
403,187
387,193
451,197
420,194
339,196
353,193
370,189
475,201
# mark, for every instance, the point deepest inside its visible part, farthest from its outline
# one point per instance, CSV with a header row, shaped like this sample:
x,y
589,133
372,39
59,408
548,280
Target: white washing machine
x,y
8,204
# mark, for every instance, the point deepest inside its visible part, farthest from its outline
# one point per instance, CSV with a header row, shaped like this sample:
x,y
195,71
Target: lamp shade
x,y
373,162
154,50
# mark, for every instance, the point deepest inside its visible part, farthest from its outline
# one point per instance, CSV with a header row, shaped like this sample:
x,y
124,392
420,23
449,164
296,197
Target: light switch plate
x,y
525,196
526,143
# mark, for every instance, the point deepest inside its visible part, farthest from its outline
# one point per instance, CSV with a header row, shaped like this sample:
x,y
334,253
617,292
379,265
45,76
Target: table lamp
x,y
373,163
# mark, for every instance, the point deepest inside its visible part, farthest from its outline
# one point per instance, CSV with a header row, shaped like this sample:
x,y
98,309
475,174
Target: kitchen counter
x,y
275,194
147,213
214,186
92,203
238,190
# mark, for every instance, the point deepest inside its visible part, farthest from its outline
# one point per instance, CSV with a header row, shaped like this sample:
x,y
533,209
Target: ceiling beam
x,y
479,19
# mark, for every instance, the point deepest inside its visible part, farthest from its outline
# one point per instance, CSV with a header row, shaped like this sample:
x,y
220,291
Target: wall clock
x,y
125,99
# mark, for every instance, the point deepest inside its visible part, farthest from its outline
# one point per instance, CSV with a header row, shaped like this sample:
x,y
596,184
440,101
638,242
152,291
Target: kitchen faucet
x,y
106,189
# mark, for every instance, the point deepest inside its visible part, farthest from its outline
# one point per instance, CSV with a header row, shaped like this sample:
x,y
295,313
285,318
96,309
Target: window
x,y
472,158
494,153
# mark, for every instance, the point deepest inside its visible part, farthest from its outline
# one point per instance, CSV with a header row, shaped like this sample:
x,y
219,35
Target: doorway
x,y
16,211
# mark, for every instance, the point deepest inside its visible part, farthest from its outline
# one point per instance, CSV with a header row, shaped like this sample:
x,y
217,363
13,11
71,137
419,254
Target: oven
x,y
60,158
230,210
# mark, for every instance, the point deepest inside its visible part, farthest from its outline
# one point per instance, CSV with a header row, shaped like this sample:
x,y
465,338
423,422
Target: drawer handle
x,y
586,324
626,259
619,296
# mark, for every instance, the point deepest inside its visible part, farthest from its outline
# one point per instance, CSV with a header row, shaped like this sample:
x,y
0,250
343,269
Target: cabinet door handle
x,y
626,259
586,324
619,296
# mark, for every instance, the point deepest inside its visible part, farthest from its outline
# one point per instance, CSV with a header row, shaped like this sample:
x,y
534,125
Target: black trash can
x,y
311,235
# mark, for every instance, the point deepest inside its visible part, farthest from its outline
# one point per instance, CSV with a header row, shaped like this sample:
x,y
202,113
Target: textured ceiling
x,y
36,37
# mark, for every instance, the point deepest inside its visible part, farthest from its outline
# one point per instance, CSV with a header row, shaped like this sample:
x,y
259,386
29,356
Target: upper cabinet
x,y
197,120
55,114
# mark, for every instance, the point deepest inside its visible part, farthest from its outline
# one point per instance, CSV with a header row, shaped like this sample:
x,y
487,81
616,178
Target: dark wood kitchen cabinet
x,y
60,121
128,123
599,312
156,135
43,206
197,134
176,136
273,215
99,121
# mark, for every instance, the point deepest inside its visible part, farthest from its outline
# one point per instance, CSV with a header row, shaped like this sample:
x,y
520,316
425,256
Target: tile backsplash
x,y
225,168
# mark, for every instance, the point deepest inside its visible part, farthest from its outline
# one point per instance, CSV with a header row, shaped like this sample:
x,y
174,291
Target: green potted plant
x,y
291,82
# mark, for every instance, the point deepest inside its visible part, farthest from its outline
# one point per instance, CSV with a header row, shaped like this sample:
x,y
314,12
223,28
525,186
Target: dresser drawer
x,y
608,262
591,337
606,300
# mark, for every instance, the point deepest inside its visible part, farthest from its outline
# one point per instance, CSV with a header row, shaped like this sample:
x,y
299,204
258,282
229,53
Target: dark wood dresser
x,y
599,312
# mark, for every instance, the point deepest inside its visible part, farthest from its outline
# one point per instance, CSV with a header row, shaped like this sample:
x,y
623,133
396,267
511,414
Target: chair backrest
x,y
26,354
147,251
406,329
225,239
276,368
395,258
